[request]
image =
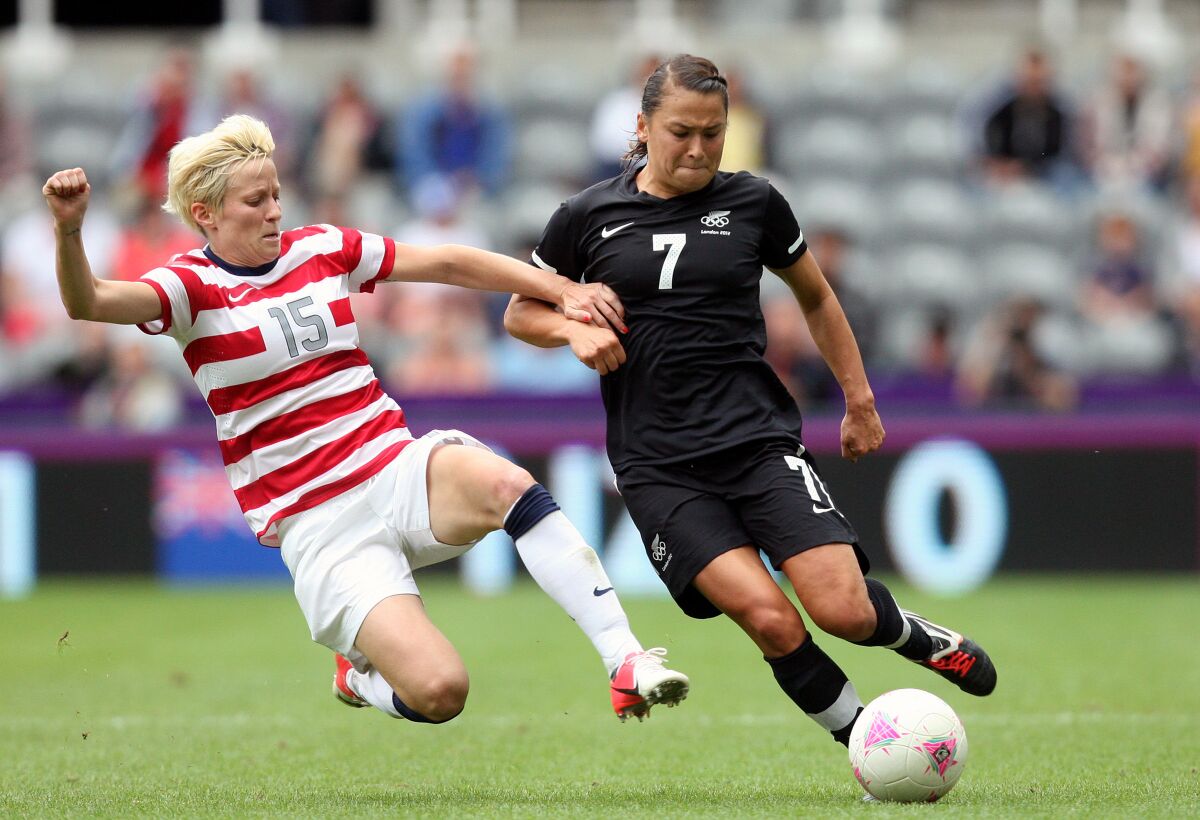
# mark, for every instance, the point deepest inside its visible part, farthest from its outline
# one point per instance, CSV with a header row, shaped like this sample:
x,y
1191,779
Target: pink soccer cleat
x,y
341,689
643,681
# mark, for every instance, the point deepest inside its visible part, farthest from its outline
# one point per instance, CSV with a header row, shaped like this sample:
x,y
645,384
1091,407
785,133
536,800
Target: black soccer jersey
x,y
687,270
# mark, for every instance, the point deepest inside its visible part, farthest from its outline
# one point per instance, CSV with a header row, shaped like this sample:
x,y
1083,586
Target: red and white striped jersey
x,y
300,415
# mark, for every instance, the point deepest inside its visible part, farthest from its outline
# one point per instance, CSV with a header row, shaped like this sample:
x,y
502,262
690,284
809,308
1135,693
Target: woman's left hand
x,y
862,432
595,303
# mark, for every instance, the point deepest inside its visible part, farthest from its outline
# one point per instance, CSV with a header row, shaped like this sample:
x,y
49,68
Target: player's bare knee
x,y
509,484
776,628
441,698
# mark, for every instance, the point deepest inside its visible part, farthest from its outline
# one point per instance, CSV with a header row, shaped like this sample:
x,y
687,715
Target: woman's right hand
x,y
597,347
67,193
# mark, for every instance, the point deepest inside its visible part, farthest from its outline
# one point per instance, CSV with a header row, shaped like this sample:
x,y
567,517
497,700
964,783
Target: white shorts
x,y
349,553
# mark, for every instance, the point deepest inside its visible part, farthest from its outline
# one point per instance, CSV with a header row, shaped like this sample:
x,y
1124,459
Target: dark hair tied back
x,y
682,71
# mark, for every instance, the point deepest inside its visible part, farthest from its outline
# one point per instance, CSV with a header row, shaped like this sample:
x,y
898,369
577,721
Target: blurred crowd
x,y
1033,239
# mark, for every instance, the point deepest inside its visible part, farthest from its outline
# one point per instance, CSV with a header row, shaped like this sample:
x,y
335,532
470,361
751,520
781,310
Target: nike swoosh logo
x,y
605,233
240,296
598,592
819,510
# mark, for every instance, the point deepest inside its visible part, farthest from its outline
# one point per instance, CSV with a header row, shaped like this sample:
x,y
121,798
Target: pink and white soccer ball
x,y
908,746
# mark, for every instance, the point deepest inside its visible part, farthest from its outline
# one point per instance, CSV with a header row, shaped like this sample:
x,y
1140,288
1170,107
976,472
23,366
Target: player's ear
x,y
202,214
643,128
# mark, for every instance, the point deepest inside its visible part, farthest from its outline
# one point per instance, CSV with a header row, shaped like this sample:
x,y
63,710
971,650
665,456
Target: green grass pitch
x,y
128,698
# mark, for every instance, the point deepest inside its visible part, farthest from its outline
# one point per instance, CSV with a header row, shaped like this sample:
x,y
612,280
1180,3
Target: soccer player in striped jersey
x,y
320,458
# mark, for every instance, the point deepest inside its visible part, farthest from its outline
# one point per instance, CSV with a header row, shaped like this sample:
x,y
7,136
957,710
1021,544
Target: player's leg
x,y
738,584
830,585
950,654
791,513
472,492
354,585
415,672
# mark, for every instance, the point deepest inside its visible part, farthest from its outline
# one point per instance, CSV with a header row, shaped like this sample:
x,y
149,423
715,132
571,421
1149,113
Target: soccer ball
x,y
908,746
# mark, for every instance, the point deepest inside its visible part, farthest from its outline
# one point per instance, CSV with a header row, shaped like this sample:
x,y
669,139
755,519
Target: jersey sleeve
x,y
176,320
557,250
367,258
782,241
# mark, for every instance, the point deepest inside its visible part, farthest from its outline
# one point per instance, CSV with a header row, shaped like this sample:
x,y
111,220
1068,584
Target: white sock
x,y
371,687
570,572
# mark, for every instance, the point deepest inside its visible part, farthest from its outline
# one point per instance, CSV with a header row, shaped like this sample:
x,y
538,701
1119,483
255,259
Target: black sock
x,y
892,629
819,687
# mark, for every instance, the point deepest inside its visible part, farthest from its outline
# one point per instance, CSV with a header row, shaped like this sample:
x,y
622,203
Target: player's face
x,y
246,229
684,140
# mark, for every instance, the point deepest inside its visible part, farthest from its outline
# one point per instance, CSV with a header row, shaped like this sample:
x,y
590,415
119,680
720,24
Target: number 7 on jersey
x,y
673,244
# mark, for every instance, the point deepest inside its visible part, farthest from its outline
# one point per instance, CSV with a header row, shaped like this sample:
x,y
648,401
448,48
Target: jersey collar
x,y
631,188
238,270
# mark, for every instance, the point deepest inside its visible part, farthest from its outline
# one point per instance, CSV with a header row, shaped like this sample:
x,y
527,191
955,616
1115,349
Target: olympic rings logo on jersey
x,y
716,219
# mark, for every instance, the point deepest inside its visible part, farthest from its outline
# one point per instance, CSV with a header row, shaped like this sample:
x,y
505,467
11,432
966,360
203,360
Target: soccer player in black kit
x,y
704,439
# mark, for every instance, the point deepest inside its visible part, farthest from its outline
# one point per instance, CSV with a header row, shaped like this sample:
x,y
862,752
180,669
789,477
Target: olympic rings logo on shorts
x,y
715,219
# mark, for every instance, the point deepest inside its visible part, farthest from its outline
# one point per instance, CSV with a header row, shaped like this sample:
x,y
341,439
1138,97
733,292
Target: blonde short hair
x,y
200,167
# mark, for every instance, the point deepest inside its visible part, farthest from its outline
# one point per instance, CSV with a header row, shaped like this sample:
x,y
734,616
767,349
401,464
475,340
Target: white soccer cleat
x,y
642,681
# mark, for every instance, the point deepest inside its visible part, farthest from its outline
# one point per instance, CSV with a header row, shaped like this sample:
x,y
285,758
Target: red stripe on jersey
x,y
322,494
164,302
289,238
385,267
304,469
300,420
342,314
204,296
223,348
351,247
224,400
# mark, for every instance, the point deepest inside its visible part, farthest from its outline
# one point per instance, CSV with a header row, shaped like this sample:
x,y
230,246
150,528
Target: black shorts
x,y
768,494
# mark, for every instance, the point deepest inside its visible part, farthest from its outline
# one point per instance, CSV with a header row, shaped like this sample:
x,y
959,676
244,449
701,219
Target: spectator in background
x,y
526,368
20,318
347,140
1190,122
242,93
791,351
167,111
1183,249
1128,134
1120,280
834,247
614,119
935,355
1187,318
27,255
132,394
1126,330
16,147
440,217
1003,365
435,340
1027,132
151,237
456,133
747,139
449,354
